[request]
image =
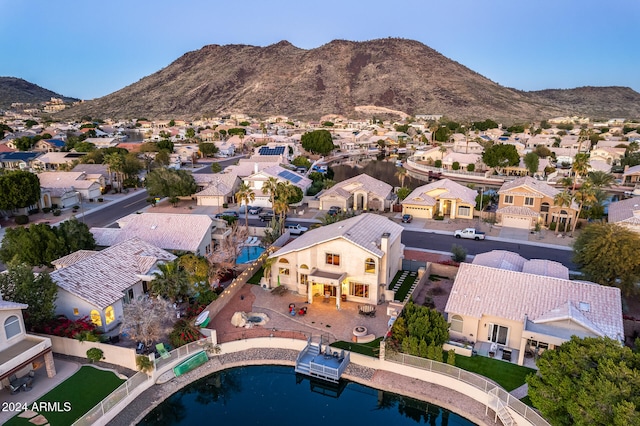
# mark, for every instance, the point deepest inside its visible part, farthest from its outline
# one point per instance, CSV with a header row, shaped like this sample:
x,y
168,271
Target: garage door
x,y
417,212
516,222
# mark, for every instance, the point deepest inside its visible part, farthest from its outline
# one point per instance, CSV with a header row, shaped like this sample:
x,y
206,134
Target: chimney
x,y
384,242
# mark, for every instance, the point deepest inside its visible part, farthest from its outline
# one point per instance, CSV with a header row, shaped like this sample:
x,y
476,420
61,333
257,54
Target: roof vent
x,y
154,226
585,306
386,235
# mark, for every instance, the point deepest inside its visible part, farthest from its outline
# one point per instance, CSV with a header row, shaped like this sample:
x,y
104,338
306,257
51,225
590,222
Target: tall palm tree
x,y
579,167
600,179
115,163
245,195
401,174
562,199
270,187
585,196
285,190
443,150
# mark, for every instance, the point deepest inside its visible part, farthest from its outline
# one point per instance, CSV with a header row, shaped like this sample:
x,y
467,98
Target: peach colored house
x,y
445,197
352,260
527,201
360,192
524,313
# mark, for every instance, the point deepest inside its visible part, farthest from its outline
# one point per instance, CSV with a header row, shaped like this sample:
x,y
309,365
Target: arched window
x,y
109,315
284,267
12,326
456,323
370,266
303,266
95,318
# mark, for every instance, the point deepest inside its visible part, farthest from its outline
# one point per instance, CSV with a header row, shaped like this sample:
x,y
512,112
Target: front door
x,y
330,290
498,334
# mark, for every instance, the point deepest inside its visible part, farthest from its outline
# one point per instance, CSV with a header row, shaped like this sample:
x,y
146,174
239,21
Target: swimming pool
x,y
276,395
249,254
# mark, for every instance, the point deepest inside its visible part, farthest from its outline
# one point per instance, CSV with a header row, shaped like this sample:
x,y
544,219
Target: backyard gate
x,y
413,265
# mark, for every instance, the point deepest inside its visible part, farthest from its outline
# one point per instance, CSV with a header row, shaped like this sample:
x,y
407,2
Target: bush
x,y
143,363
552,226
451,357
46,209
57,212
34,211
471,167
54,206
95,354
437,217
183,332
22,219
438,164
458,253
100,199
225,205
76,207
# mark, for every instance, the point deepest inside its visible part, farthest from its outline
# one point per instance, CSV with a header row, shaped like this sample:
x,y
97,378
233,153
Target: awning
x,y
330,278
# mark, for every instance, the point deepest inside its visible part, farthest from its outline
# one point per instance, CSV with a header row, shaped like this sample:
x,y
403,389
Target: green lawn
x,y
405,287
86,388
507,375
371,349
255,279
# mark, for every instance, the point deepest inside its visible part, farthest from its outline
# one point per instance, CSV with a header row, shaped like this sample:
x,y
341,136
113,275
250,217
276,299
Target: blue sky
x,y
90,49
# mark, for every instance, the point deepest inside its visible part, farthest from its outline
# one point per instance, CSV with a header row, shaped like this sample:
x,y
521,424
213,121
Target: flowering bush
x,y
184,331
62,326
193,310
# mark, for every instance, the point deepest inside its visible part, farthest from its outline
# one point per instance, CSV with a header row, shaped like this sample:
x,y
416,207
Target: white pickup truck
x,y
470,233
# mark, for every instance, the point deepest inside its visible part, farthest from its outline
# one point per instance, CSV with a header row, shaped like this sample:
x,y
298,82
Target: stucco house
x,y
256,180
216,189
526,201
68,188
352,260
21,352
168,231
444,196
631,174
98,284
361,192
527,313
626,213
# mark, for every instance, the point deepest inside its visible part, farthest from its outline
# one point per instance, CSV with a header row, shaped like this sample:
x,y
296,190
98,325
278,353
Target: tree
x,y
245,195
562,199
19,284
171,282
84,147
208,149
500,156
190,133
318,142
401,174
162,158
443,151
224,257
403,192
170,183
270,187
301,161
115,161
422,324
579,167
18,189
542,151
600,179
585,196
142,319
606,253
75,236
590,381
531,161
216,168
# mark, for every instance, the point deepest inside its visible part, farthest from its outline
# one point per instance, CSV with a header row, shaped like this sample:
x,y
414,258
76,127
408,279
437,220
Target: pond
x,y
382,170
276,395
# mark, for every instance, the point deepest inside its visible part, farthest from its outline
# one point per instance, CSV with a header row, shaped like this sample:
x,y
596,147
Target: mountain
x,y
340,77
18,90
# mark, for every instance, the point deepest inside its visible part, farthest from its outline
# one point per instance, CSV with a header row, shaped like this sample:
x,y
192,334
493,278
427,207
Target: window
x,y
544,207
12,326
528,201
370,266
498,334
508,199
284,268
109,315
464,211
96,318
456,323
332,259
359,289
76,311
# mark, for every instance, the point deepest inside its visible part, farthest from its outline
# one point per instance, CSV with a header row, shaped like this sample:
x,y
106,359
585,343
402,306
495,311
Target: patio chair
x,y
164,353
13,389
506,354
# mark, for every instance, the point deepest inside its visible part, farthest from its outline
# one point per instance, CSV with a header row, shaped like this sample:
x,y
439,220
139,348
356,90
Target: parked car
x,y
227,213
267,215
295,228
255,210
407,218
334,210
470,233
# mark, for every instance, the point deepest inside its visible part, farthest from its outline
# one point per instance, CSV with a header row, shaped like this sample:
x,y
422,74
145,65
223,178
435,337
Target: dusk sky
x,y
90,49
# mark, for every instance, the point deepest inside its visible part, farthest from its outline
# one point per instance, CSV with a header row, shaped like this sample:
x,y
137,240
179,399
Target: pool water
x,y
249,254
276,395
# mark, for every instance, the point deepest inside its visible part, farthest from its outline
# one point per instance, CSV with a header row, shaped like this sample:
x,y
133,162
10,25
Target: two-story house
x,y
527,201
352,260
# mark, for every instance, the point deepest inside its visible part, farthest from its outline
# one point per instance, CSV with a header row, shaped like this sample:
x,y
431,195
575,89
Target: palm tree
x,y
401,174
171,281
585,196
579,167
270,187
562,199
245,195
600,179
115,162
443,150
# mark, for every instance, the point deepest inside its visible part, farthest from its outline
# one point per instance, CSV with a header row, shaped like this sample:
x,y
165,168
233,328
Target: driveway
x,y
514,233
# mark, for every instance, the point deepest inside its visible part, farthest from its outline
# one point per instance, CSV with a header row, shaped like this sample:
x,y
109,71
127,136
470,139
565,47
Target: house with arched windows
x,y
97,284
20,352
353,260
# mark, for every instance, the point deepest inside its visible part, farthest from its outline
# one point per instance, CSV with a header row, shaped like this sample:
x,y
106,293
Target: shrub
x,y
143,363
552,226
57,212
438,217
34,211
451,357
183,332
455,165
46,209
95,354
76,207
100,199
64,327
225,205
22,219
471,167
54,206
438,164
458,253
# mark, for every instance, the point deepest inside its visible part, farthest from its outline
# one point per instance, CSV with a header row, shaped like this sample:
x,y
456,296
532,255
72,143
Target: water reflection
x,y
382,170
274,395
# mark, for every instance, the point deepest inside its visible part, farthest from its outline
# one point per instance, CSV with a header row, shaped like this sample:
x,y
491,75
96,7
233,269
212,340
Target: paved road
x,y
115,210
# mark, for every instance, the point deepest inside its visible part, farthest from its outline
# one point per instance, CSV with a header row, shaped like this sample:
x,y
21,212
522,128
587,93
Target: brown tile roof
x,y
451,190
625,211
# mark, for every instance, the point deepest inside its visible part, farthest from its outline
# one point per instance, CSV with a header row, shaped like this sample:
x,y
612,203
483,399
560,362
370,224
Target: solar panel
x,y
265,150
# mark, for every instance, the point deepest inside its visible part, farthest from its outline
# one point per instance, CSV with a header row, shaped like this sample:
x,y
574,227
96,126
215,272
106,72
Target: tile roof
x,y
548,268
531,183
625,210
168,231
64,180
517,210
632,171
72,258
102,278
364,230
219,184
442,189
503,259
362,182
481,290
